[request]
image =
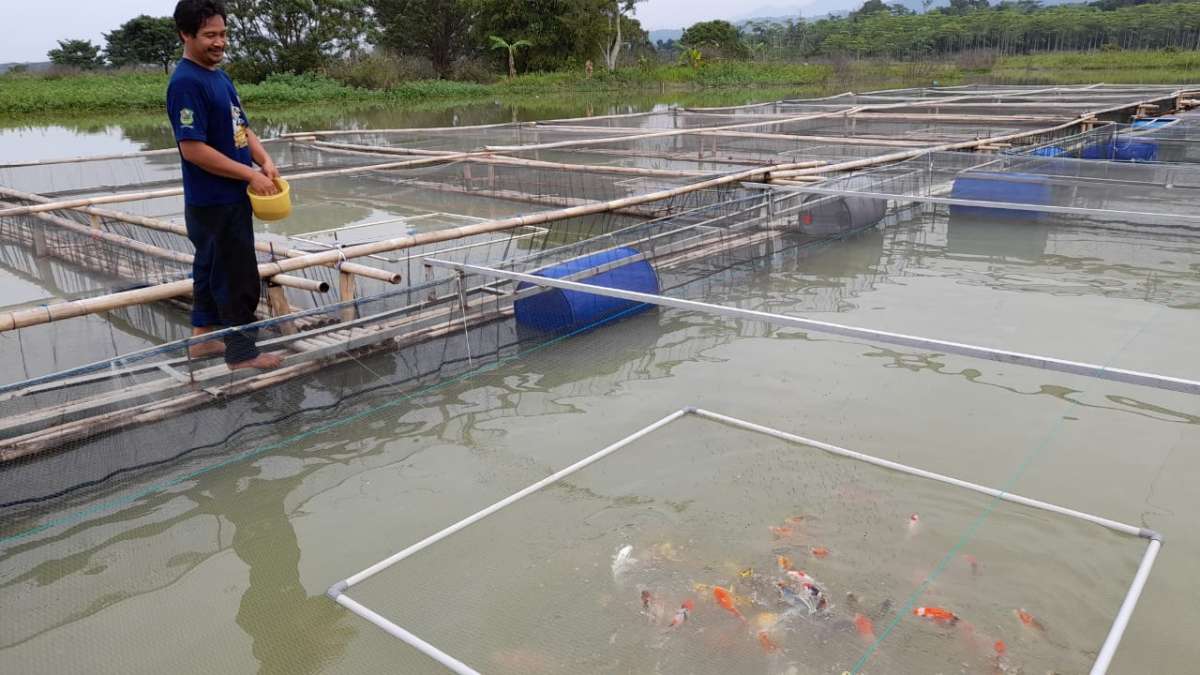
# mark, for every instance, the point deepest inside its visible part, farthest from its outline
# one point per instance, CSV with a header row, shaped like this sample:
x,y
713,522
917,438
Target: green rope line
x,y
969,533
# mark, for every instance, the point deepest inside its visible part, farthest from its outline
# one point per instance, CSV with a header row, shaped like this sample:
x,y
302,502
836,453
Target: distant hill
x,y
810,10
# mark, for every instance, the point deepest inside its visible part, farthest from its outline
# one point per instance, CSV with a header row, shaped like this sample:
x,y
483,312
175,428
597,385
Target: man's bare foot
x,y
206,349
263,361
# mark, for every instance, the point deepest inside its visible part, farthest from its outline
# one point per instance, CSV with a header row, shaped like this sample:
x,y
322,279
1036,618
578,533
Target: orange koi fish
x,y
864,626
820,551
937,614
1000,647
785,563
781,531
681,614
725,599
768,645
1028,619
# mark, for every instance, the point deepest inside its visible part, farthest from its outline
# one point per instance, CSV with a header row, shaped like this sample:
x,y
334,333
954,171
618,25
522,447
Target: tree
x,y
719,35
966,6
615,11
295,36
437,29
512,47
144,40
871,7
562,33
76,54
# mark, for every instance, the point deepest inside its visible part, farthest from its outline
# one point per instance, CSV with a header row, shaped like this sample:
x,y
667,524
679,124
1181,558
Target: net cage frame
x,y
339,591
853,164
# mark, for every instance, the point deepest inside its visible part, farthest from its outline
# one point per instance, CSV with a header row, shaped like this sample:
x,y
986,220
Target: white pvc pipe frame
x,y
945,346
1099,667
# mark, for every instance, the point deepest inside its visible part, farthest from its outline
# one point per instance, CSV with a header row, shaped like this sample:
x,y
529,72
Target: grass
x,y
1116,67
96,93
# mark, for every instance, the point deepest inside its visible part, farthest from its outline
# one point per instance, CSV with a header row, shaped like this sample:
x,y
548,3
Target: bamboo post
x,y
346,294
39,242
278,302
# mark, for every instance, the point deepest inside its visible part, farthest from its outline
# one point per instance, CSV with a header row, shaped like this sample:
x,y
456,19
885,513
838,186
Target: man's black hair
x,y
190,15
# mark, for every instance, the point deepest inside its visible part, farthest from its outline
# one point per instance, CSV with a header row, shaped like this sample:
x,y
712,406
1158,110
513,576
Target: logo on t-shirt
x,y
239,129
186,117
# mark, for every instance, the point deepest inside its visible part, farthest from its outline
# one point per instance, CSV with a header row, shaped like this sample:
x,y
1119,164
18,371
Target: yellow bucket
x,y
272,207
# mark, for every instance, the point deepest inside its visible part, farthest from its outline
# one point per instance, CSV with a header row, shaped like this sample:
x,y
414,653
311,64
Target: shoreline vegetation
x,y
26,96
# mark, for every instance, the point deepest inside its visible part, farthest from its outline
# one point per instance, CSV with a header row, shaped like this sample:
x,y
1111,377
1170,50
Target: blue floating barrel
x,y
1098,151
557,310
1013,188
1135,151
1122,151
1049,151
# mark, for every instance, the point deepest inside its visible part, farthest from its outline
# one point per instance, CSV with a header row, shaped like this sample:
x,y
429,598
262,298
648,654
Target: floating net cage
x,y
432,286
787,592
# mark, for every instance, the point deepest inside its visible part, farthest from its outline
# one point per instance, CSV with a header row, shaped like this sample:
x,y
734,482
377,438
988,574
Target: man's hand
x,y
269,170
261,184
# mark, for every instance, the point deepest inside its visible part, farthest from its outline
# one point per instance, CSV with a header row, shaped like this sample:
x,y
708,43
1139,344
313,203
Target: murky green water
x,y
207,564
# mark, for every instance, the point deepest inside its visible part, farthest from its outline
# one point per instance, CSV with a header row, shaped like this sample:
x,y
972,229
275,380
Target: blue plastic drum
x,y
557,310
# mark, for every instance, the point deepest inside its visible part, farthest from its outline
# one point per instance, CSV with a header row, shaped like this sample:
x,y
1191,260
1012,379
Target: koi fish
x,y
864,626
811,600
1000,647
1028,619
725,599
820,551
681,614
766,620
785,563
765,641
914,522
972,562
800,577
781,531
622,560
937,614
652,607
817,595
796,520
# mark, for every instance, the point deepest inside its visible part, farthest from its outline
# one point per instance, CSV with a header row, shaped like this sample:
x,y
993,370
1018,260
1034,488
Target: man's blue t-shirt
x,y
203,106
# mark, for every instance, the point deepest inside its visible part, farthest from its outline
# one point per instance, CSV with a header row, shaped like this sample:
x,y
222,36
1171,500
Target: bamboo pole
x,y
909,154
518,161
300,135
181,230
175,192
841,140
100,158
346,295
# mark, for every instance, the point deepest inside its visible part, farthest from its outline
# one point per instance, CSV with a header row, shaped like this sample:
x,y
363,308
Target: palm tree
x,y
512,47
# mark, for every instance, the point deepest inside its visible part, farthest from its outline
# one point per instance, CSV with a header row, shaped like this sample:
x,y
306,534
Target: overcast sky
x,y
35,28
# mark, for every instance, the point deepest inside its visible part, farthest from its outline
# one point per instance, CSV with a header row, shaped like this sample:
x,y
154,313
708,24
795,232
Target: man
x,y
217,148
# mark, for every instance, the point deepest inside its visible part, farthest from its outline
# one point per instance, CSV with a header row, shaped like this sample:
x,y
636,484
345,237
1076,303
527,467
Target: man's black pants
x,y
225,284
